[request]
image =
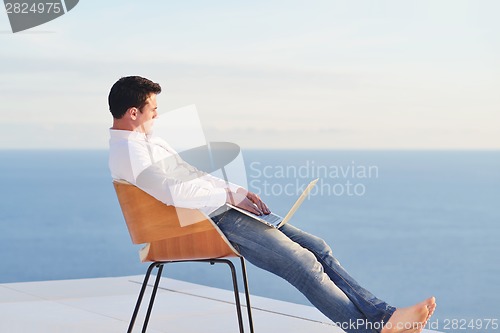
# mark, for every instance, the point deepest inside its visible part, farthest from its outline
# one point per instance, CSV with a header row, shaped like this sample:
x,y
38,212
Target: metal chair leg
x,y
160,264
139,298
247,293
152,299
236,291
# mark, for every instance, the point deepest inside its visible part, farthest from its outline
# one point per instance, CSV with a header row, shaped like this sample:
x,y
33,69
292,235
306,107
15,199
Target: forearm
x,y
222,183
186,193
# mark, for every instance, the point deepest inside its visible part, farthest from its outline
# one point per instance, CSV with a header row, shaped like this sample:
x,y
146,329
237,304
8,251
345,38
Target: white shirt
x,y
151,164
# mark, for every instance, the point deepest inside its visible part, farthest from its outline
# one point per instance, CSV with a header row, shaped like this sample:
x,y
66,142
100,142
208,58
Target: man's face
x,y
146,117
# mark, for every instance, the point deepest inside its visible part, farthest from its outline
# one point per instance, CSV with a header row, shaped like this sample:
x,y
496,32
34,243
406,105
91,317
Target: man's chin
x,y
147,129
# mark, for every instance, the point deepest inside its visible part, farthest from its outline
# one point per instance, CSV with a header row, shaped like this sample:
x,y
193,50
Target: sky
x,y
263,74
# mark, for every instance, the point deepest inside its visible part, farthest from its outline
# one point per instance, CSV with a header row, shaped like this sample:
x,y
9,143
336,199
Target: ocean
x,y
405,224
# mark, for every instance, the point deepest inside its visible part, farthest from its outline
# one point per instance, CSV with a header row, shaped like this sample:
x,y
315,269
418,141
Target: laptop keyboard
x,y
271,218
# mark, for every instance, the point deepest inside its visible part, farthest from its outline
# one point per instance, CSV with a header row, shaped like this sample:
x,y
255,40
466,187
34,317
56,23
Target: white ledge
x,y
106,304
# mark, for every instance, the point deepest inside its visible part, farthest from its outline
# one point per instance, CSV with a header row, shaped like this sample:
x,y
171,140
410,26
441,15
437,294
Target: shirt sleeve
x,y
180,192
221,183
203,175
172,182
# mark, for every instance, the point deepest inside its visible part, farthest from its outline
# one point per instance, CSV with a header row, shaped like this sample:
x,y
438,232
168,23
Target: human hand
x,y
240,200
258,202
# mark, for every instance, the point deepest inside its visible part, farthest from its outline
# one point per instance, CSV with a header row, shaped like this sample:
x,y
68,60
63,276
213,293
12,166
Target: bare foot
x,y
411,319
430,307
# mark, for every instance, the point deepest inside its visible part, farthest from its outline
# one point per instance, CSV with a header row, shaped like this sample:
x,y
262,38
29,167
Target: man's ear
x,y
132,113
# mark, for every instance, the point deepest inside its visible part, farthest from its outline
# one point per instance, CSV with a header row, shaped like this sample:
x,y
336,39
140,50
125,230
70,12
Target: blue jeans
x,y
307,262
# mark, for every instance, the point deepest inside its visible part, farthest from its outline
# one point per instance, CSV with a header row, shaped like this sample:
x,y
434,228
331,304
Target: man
x,y
302,259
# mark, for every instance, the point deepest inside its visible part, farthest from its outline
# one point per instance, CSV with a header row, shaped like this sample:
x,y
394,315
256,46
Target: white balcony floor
x,y
106,304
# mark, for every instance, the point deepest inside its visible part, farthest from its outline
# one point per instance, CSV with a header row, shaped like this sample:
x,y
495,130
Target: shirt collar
x,y
127,135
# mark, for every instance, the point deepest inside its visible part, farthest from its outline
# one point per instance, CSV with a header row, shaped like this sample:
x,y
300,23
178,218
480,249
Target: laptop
x,y
274,220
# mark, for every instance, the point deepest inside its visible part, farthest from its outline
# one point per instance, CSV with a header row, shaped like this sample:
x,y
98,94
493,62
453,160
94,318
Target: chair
x,y
156,224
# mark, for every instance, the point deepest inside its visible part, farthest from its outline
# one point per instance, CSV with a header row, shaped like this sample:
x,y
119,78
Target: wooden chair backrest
x,y
151,221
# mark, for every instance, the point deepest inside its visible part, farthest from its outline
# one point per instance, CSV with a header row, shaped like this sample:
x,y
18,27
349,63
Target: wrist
x,y
229,196
242,191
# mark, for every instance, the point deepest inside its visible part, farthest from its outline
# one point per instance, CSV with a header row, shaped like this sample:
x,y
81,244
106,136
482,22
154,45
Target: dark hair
x,y
129,92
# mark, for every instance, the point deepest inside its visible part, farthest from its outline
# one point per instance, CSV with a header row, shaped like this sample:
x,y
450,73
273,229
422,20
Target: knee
x,y
324,252
303,265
